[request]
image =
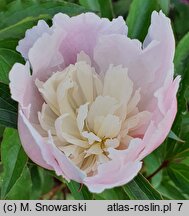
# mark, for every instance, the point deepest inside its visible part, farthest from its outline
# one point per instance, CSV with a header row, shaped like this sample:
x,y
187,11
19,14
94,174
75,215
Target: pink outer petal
x,y
167,93
120,50
121,169
123,173
19,77
162,54
148,67
126,163
28,142
44,56
43,151
31,36
165,36
57,48
24,91
159,129
116,26
117,50
83,31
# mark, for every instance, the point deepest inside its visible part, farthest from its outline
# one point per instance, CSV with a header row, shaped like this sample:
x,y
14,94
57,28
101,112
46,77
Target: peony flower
x,y
93,102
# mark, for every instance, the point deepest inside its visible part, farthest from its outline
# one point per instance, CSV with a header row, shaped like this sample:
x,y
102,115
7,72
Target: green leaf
x,y
174,147
2,128
16,19
9,44
121,7
21,190
168,190
79,192
92,5
173,136
164,5
180,127
152,162
180,176
185,161
116,193
2,5
182,54
186,94
182,155
47,180
18,29
36,183
138,19
8,108
14,162
8,57
180,13
140,189
106,8
42,182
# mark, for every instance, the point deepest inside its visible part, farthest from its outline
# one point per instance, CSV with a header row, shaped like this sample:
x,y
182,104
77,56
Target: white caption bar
x,y
97,208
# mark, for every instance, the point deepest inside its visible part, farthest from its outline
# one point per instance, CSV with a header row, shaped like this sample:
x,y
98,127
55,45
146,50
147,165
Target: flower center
x,y
87,114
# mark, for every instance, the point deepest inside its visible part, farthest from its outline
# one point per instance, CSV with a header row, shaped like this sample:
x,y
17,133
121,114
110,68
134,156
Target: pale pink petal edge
x,y
43,151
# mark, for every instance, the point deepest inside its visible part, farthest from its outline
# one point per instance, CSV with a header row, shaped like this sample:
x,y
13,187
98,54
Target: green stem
x,y
163,165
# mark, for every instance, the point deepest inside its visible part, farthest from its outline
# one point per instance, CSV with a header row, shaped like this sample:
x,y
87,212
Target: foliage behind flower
x,y
185,1
96,102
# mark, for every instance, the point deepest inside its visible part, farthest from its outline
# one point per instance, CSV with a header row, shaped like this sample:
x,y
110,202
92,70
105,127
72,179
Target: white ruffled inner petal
x,y
88,115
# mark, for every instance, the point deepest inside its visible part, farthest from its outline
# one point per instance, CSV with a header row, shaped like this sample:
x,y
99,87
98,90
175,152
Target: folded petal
x,y
87,27
165,36
147,67
19,77
67,130
47,119
31,37
84,74
30,142
122,164
166,94
44,152
108,127
158,54
113,77
44,55
161,124
24,91
102,106
116,50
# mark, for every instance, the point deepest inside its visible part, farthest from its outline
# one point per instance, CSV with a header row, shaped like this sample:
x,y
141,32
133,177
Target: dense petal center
x,y
88,114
